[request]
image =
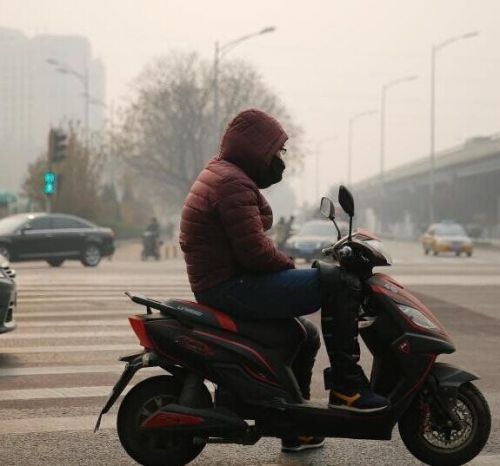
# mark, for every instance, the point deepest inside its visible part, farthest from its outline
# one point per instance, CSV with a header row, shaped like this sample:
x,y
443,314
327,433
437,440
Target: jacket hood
x,y
251,140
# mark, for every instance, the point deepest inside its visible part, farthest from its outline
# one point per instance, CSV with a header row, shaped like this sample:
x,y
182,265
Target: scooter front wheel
x,y
156,447
427,436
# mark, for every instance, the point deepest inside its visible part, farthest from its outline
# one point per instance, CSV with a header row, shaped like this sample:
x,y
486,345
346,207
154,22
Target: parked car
x,y
447,237
8,296
312,237
54,238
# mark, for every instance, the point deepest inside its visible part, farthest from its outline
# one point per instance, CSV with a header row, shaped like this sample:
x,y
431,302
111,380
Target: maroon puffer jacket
x,y
225,215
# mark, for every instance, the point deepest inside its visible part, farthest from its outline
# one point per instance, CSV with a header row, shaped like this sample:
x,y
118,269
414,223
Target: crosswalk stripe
x,y
462,280
46,336
57,370
20,315
28,323
27,371
55,424
52,393
65,313
69,348
101,291
79,299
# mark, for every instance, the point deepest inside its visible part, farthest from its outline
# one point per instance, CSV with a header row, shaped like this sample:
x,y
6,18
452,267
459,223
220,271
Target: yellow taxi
x,y
447,237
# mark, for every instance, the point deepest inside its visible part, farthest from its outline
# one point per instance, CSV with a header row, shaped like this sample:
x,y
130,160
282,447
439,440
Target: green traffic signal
x,y
50,180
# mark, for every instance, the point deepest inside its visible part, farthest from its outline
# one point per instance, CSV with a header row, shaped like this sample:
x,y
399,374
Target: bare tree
x,y
168,130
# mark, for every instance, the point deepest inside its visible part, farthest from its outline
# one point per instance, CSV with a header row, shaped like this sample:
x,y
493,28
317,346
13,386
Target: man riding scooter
x,y
151,240
233,266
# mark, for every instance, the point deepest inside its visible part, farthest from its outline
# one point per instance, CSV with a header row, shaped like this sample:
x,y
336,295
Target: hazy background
x,y
327,60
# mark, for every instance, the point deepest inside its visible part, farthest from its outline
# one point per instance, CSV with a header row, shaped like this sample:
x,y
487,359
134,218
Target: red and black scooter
x,y
168,419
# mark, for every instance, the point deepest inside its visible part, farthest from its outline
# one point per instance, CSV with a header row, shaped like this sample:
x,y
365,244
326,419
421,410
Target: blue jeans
x,y
281,295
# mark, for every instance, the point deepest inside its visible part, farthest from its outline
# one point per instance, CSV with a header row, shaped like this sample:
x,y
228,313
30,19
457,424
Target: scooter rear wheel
x,y
156,447
429,439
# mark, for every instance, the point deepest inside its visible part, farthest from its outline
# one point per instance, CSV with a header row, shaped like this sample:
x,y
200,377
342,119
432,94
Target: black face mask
x,y
274,173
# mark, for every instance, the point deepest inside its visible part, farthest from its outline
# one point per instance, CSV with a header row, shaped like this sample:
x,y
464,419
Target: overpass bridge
x,y
467,189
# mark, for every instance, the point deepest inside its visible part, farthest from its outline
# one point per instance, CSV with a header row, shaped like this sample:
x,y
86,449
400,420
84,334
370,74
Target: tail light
x,y
139,327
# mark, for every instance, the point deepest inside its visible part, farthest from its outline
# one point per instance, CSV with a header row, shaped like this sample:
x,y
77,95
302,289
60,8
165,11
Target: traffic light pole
x,y
48,199
57,152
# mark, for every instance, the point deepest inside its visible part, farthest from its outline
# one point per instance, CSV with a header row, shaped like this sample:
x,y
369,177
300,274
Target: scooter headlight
x,y
417,317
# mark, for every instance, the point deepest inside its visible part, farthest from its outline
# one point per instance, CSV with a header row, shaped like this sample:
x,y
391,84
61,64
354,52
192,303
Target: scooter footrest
x,y
210,421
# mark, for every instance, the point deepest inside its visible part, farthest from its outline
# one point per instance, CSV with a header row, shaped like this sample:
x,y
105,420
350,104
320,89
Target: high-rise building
x,y
36,93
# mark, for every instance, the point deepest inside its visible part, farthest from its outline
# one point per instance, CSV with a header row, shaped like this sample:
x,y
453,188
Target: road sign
x,y
50,182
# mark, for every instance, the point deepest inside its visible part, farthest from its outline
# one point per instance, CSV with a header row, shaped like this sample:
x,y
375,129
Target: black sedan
x,y
8,297
54,238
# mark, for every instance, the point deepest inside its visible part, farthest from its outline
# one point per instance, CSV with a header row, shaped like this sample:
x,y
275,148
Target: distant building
x,y
34,95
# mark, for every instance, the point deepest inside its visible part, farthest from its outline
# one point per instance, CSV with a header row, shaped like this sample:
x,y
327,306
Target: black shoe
x,y
301,443
362,400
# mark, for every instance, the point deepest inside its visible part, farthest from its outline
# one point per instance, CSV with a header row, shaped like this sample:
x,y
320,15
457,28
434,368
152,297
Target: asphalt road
x,y
58,366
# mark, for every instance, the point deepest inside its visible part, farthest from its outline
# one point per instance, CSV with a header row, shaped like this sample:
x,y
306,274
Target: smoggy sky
x,y
327,60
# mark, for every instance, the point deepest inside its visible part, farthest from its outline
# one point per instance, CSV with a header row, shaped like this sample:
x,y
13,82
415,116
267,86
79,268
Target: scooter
x,y
168,419
150,246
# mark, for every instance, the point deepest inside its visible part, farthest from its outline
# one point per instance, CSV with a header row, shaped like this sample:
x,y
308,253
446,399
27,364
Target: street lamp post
x,y
84,80
434,51
385,88
219,51
316,165
352,120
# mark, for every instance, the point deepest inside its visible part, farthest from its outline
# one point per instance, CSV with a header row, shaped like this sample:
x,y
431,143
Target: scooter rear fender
x,y
134,363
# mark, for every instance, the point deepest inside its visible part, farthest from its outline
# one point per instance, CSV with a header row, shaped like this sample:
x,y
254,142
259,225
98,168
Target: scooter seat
x,y
268,333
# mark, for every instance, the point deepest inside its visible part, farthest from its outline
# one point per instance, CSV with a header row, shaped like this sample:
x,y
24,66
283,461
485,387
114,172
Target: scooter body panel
x,y
238,364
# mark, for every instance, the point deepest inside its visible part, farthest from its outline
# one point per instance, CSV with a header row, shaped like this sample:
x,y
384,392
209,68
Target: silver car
x,y
312,237
8,296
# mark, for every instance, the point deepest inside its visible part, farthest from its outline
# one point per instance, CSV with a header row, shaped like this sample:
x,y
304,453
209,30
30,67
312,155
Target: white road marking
x,y
55,424
27,371
28,323
79,298
69,348
56,335
63,392
58,370
66,313
462,280
51,393
27,292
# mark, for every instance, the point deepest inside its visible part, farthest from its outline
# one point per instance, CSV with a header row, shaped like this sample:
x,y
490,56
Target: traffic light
x,y
50,182
58,145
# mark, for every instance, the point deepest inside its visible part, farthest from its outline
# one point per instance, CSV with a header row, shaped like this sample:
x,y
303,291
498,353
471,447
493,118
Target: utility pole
x,y
434,51
385,88
219,52
353,120
83,77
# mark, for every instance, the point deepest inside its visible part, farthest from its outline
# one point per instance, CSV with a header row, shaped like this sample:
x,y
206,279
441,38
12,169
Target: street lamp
x,y
352,120
435,49
385,88
220,51
84,80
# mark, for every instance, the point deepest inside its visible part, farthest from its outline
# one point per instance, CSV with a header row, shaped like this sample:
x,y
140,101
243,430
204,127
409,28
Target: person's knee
x,y
335,279
312,343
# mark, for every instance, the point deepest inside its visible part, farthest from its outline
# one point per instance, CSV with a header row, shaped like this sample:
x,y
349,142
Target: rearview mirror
x,y
326,208
346,201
